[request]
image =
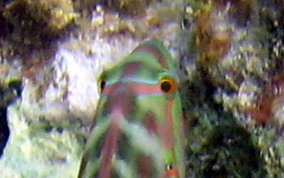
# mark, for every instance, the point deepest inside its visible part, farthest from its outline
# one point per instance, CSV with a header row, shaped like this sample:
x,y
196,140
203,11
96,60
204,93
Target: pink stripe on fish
x,y
167,127
118,106
120,99
138,89
145,166
110,146
150,122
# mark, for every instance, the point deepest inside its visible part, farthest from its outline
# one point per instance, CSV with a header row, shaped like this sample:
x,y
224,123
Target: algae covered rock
x,y
36,21
239,55
50,122
232,51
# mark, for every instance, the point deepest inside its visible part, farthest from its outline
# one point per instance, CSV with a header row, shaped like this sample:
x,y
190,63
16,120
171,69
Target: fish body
x,y
138,129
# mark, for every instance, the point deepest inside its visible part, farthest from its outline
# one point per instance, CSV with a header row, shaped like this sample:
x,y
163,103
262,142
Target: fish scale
x,y
138,129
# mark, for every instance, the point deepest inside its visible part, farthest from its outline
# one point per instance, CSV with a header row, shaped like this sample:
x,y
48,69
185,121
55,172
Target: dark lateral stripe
x,y
145,166
150,123
154,51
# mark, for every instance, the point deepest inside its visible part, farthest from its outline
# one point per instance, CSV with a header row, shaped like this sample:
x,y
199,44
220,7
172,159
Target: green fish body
x,y
138,129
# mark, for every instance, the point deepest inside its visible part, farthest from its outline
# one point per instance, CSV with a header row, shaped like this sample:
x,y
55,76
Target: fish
x,y
138,129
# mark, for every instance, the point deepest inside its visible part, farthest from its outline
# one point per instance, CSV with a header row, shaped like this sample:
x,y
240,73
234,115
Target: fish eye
x,y
170,170
168,85
102,84
169,166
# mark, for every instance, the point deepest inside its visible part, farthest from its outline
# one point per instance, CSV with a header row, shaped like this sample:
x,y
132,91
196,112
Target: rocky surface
x,y
50,122
231,59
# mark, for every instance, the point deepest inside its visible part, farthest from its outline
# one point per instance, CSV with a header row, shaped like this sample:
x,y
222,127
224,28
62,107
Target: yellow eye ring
x,y
168,85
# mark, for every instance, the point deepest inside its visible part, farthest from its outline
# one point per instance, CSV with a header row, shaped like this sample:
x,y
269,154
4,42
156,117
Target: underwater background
x,y
230,55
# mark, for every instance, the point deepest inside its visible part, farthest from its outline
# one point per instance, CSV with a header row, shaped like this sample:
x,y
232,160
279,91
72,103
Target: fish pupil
x,y
169,166
166,86
102,84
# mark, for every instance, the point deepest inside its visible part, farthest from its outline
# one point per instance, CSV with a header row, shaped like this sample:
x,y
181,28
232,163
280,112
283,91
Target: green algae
x,y
229,143
218,146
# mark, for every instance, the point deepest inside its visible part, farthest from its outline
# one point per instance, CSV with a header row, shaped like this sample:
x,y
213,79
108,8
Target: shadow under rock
x,y
217,146
8,95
